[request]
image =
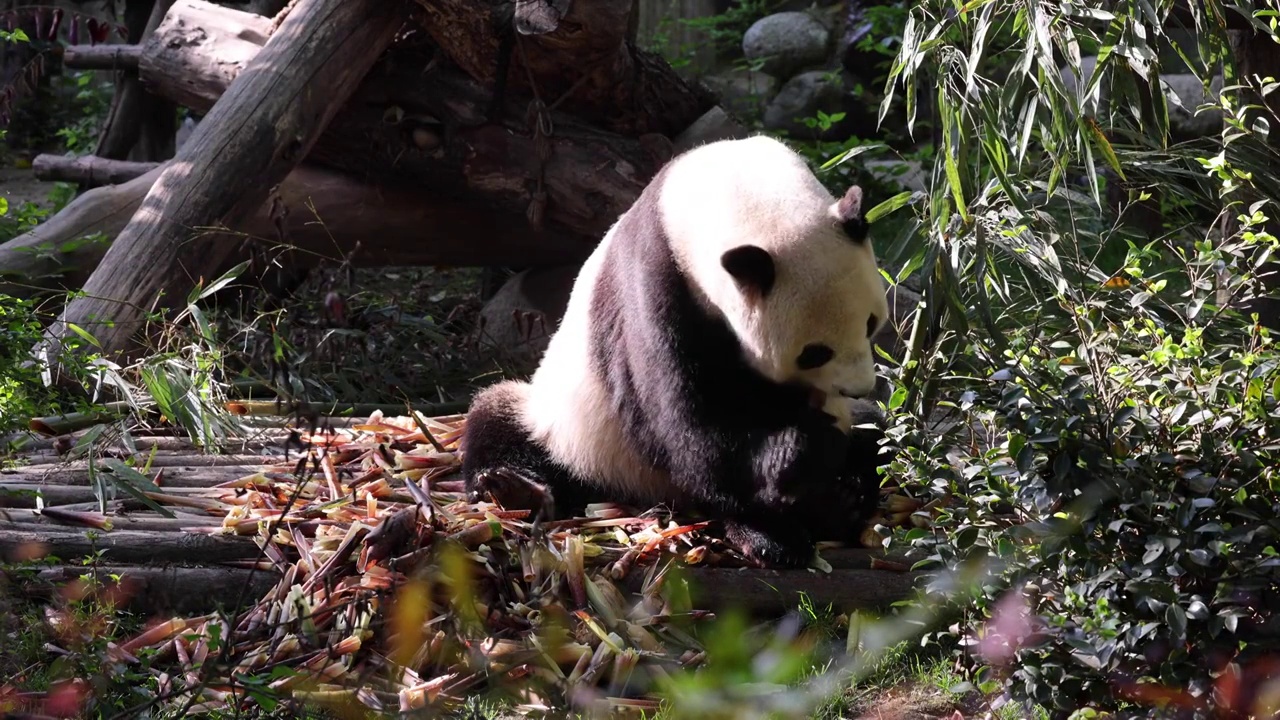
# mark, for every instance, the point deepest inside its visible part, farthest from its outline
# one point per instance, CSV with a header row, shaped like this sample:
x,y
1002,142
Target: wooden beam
x,y
88,169
149,589
102,57
23,541
138,123
586,64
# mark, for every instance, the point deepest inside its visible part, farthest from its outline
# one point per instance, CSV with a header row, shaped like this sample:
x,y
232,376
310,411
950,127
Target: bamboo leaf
x,y
953,180
227,278
888,206
84,334
1104,145
136,484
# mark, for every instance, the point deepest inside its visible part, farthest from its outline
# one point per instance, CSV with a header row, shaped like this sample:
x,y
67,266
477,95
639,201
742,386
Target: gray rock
x,y
786,42
1184,91
802,97
715,124
910,174
518,321
741,90
894,335
1190,92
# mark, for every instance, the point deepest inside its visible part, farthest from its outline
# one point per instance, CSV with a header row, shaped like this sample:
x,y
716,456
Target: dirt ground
x,y
19,185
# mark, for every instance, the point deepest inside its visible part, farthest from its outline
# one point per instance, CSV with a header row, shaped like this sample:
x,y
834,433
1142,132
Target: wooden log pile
x,y
303,552
381,134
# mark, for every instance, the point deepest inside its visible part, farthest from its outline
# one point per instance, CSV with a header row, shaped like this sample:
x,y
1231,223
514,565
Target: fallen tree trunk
x,y
88,170
327,217
265,125
426,127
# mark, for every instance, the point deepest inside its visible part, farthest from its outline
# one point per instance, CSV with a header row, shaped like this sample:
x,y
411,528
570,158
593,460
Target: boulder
x,y
802,97
1184,121
517,322
786,42
743,91
715,124
896,333
1184,91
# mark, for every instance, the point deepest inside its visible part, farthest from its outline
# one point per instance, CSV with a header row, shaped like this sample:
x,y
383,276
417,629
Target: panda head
x,y
789,267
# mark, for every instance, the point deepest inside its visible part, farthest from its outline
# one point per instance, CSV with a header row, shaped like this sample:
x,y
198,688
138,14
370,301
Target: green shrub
x,y
1111,466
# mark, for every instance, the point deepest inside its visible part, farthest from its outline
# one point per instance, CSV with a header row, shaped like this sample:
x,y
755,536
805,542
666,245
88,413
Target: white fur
x,y
714,198
758,191
569,410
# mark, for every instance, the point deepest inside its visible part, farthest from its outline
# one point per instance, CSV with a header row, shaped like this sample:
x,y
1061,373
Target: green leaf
x,y
1177,621
228,277
84,334
1104,145
136,484
850,154
953,180
888,206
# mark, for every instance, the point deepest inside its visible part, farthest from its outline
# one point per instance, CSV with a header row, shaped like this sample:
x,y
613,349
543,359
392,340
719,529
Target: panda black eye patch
x,y
872,322
814,356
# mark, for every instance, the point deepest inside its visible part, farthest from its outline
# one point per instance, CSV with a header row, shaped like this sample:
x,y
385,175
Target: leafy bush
x,y
1111,440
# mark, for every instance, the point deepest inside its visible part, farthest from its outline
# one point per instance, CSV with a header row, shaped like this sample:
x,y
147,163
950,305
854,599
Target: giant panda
x,y
714,356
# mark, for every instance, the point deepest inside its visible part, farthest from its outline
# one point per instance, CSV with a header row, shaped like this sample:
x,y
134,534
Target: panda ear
x,y
751,267
848,210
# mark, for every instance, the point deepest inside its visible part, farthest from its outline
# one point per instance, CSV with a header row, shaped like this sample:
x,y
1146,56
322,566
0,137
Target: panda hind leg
x,y
501,459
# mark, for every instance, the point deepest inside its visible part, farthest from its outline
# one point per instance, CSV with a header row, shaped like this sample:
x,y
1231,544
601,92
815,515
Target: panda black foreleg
x,y
814,483
791,471
500,458
840,510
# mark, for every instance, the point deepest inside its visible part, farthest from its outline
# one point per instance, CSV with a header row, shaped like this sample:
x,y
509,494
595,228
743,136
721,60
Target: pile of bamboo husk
x,y
395,593
392,592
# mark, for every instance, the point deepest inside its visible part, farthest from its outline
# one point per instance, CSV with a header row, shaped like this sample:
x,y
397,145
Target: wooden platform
x,y
363,549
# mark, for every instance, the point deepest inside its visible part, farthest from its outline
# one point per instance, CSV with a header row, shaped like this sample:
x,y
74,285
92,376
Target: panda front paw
x,y
514,491
791,548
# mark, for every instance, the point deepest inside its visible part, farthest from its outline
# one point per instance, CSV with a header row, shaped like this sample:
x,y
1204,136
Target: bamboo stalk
x,y
77,474
342,410
23,494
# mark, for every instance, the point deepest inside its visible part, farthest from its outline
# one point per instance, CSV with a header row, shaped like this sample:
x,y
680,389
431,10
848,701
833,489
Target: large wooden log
x,y
139,124
329,216
263,126
418,120
145,590
587,60
23,541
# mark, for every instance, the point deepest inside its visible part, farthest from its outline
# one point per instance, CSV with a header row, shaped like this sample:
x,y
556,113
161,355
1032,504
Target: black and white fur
x,y
709,358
